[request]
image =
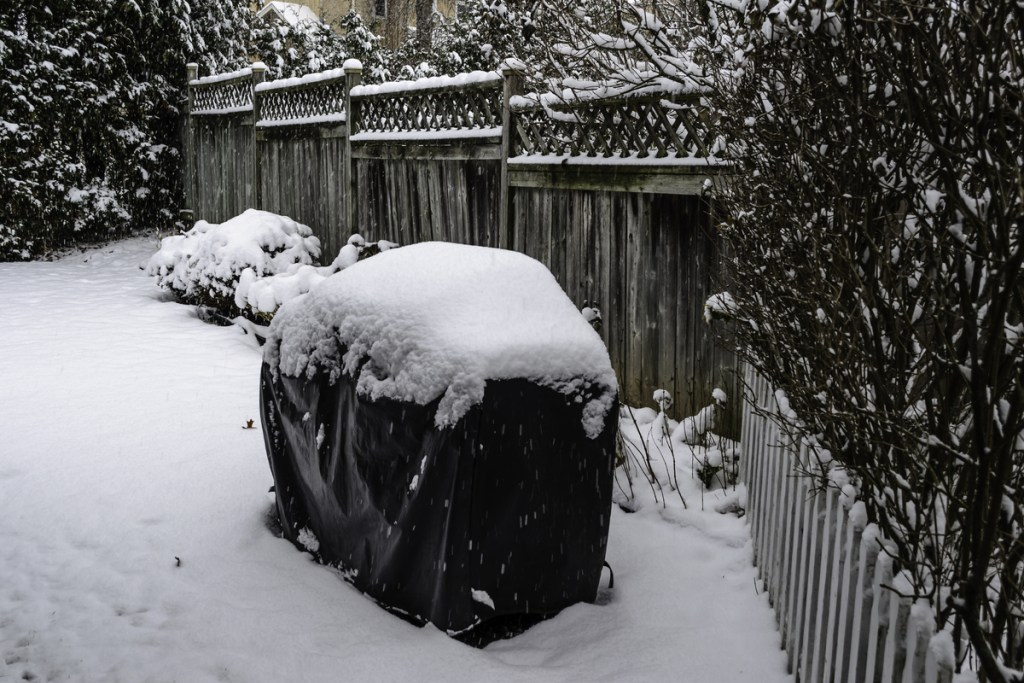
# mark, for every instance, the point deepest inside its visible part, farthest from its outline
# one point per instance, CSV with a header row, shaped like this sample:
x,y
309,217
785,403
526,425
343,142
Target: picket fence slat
x,y
785,480
846,598
804,516
793,599
759,464
828,574
862,606
810,614
786,570
772,527
919,633
754,490
821,602
835,576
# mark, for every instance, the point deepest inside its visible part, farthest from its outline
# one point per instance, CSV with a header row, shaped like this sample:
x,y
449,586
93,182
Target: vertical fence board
x,y
789,521
835,586
772,522
781,530
804,580
895,658
878,624
756,502
917,639
825,581
845,633
809,630
751,449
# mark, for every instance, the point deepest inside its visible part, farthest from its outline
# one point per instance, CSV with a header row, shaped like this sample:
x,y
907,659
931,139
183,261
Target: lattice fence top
x,y
670,127
222,97
318,102
652,128
454,108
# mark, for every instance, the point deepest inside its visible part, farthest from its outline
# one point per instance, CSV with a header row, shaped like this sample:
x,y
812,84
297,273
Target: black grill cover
x,y
510,506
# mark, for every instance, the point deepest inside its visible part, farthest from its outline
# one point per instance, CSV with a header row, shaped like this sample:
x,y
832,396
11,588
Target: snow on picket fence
x,y
825,572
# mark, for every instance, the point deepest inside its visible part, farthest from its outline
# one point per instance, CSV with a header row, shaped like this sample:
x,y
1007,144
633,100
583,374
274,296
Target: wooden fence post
x,y
512,73
353,76
259,74
187,214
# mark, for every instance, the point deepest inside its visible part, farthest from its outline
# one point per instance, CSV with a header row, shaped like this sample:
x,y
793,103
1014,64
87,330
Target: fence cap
x,y
512,65
258,66
352,66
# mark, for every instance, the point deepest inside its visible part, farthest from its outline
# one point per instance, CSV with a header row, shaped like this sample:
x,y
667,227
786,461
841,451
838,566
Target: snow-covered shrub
x,y
662,460
205,265
694,431
260,297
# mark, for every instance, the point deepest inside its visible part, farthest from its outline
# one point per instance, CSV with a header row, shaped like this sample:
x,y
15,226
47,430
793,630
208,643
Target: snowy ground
x,y
122,449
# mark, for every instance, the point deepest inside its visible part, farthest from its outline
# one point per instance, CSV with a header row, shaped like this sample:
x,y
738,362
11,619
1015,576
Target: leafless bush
x,y
875,215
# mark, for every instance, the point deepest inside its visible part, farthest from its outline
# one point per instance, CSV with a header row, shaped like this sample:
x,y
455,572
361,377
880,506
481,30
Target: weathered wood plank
x,y
845,633
823,607
633,179
894,656
791,507
475,151
835,586
794,637
879,622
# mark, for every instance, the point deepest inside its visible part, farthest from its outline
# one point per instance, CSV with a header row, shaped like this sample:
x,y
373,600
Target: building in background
x,y
390,19
286,13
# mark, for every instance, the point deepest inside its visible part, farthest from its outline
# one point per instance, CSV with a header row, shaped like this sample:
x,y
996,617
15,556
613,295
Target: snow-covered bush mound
x,y
665,462
260,297
439,320
204,265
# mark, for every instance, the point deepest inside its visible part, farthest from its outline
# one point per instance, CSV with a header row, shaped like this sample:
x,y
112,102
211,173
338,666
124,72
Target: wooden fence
x,y
606,193
825,569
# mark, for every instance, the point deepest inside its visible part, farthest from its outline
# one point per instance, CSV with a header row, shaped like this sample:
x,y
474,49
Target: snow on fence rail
x,y
229,93
468,104
311,100
664,127
826,571
657,126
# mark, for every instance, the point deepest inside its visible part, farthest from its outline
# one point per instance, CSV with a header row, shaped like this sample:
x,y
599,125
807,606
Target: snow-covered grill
x,y
440,421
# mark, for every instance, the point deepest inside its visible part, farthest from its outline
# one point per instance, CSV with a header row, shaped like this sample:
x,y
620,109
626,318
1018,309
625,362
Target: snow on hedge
x,y
264,295
436,320
206,263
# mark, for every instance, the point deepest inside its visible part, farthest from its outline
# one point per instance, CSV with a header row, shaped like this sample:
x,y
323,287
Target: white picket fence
x,y
824,573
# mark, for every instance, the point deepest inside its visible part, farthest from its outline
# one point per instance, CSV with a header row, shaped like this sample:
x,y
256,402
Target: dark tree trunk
x,y
424,24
